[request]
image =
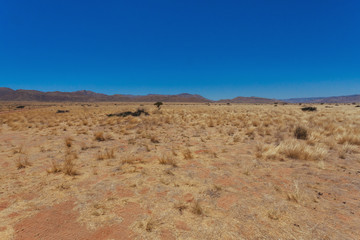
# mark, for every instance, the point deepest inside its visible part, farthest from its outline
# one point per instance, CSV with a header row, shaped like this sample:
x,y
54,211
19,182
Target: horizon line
x,y
80,90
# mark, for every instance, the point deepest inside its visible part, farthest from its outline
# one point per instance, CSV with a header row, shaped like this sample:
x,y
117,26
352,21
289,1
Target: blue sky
x,y
219,49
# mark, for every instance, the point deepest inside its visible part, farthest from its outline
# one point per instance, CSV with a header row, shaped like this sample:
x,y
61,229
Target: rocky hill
x,y
7,94
249,100
339,99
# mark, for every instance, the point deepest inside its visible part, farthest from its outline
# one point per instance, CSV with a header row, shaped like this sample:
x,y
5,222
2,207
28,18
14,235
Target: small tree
x,y
158,104
301,133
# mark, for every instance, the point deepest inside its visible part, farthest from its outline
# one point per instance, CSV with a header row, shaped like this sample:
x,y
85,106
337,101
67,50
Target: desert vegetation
x,y
182,171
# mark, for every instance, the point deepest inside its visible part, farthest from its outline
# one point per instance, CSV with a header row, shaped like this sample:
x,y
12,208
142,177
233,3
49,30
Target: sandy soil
x,y
185,172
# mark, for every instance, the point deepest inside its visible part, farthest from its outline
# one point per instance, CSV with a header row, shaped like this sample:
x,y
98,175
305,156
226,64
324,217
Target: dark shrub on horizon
x,y
309,109
62,111
128,113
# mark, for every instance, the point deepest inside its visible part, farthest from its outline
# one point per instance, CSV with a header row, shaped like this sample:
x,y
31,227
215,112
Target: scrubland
x,y
186,171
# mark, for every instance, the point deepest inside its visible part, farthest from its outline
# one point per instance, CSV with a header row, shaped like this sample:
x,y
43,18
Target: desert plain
x,y
185,171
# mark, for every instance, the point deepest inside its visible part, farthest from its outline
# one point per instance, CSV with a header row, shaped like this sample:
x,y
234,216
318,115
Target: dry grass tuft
x,y
154,139
150,225
197,209
168,160
299,150
22,162
295,195
110,153
130,158
274,214
187,154
68,142
99,136
181,207
55,168
69,165
19,149
350,138
107,154
347,149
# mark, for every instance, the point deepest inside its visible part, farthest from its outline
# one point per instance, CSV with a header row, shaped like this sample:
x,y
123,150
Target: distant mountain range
x,y
8,94
249,100
339,99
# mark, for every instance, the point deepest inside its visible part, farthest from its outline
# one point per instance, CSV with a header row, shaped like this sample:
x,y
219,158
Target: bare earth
x,y
188,171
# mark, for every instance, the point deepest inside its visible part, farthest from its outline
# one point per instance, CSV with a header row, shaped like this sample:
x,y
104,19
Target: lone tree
x,y
158,104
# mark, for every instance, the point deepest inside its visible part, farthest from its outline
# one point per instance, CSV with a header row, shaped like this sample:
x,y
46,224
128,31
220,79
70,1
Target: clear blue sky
x,y
219,49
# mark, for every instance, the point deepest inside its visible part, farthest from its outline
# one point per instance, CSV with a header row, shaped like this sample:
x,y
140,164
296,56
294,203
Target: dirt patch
x,y
56,222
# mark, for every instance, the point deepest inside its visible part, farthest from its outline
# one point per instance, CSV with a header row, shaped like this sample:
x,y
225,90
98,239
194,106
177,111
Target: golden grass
x,y
55,168
106,154
240,160
299,150
22,162
187,154
168,160
69,167
350,138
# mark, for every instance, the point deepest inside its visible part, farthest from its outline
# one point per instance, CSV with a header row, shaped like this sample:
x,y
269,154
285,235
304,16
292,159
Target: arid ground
x,y
186,171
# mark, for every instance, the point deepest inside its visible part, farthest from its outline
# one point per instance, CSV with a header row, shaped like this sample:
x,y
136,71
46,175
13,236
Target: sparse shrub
x,y
62,111
309,109
99,136
301,133
128,113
